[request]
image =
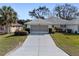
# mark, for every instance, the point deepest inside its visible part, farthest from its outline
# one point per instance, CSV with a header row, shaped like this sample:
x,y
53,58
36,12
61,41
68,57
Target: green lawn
x,y
67,42
9,42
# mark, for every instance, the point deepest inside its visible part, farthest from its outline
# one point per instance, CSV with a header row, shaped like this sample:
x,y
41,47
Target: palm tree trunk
x,y
8,28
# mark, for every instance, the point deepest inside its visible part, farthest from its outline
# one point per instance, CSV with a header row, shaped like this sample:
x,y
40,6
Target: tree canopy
x,y
21,21
7,15
41,12
66,11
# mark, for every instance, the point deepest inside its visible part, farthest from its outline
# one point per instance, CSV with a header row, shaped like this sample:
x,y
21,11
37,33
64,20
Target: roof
x,y
56,20
38,22
74,21
16,24
53,20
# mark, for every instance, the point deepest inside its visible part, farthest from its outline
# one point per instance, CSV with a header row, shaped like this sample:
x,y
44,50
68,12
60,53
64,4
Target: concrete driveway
x,y
38,45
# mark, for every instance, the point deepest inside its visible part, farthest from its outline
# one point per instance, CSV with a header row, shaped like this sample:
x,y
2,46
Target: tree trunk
x,y
8,28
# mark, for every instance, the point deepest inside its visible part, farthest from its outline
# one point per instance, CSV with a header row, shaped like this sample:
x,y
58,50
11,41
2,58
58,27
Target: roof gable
x,y
38,22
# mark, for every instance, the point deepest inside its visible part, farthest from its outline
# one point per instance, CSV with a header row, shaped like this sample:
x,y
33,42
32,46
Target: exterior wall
x,y
77,28
28,26
13,29
2,29
49,26
73,27
57,25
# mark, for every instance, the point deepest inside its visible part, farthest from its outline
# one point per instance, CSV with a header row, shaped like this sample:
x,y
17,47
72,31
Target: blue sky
x,y
23,8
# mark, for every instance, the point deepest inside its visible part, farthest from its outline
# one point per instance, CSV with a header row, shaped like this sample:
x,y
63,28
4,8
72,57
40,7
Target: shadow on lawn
x,y
70,33
13,36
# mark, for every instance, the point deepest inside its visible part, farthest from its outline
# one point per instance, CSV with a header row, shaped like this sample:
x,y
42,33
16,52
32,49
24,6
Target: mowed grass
x,y
9,42
67,42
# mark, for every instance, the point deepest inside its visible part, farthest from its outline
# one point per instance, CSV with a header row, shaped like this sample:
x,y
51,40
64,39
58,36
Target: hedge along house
x,y
43,26
39,26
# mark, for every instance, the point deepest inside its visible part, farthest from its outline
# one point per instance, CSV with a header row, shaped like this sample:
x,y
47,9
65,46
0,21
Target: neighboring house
x,y
2,29
43,26
15,27
12,28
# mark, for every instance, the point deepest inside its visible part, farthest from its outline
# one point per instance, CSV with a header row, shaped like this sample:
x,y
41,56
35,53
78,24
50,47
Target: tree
x,y
66,11
22,21
41,12
8,16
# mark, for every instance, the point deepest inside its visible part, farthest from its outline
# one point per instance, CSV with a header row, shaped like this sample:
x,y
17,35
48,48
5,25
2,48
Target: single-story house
x,y
15,27
43,26
11,29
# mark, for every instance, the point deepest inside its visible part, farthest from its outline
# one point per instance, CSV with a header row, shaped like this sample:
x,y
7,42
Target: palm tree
x,y
8,16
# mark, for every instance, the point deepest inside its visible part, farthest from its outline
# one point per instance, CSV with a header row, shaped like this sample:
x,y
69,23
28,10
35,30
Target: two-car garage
x,y
39,29
38,26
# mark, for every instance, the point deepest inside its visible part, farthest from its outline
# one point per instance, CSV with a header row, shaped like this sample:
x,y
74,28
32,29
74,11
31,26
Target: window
x,y
63,25
52,25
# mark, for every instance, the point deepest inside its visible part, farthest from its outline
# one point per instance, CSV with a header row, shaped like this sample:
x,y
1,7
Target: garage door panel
x,y
39,29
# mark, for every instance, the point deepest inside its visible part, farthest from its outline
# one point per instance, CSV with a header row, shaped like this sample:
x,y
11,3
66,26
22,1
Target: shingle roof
x,y
16,24
38,22
74,21
53,20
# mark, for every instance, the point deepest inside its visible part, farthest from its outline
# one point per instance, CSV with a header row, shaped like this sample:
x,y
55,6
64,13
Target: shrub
x,y
2,33
22,32
51,30
27,29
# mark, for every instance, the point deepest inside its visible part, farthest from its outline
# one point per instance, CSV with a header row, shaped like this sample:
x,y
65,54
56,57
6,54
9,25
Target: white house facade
x,y
67,25
43,26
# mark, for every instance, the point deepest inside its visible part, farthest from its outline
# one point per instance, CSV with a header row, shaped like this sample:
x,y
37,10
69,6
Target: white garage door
x,y
39,29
